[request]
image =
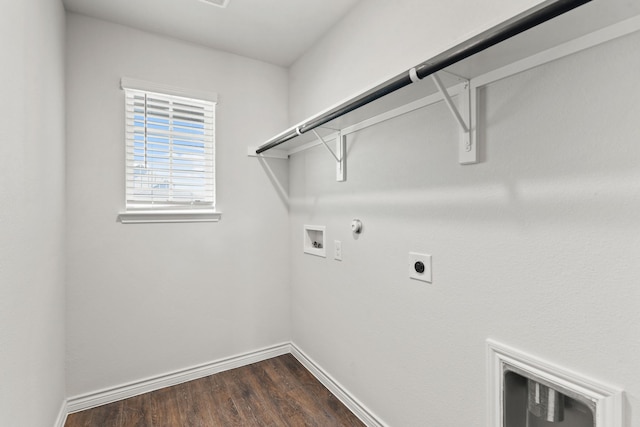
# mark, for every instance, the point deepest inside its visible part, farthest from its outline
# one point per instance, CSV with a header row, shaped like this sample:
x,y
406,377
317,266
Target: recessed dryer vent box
x,y
314,240
527,391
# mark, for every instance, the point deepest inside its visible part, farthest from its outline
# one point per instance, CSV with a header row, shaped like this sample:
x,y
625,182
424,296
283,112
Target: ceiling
x,y
274,31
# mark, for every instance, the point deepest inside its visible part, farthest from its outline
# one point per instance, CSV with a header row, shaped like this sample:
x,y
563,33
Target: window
x,y
170,155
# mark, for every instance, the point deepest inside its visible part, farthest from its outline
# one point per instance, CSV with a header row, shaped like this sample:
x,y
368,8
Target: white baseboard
x,y
62,415
354,405
124,391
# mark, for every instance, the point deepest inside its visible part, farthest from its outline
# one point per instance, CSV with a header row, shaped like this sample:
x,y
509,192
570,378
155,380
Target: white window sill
x,y
155,216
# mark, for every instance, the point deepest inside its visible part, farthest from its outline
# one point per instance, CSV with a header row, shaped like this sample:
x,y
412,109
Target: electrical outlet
x,y
337,250
420,267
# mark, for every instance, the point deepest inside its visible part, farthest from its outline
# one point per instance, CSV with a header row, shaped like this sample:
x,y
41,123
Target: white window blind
x,y
170,152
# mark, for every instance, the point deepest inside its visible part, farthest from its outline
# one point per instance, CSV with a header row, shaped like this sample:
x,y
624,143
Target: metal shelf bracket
x,y
340,157
467,152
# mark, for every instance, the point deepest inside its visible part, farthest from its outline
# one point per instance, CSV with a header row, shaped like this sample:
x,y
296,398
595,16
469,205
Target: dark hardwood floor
x,y
275,392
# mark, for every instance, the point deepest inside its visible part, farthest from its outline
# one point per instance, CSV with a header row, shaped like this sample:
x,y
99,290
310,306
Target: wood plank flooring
x,y
275,392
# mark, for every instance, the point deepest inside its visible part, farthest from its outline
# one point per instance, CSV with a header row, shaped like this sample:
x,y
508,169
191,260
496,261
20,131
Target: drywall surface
x,y
32,222
537,246
148,299
379,39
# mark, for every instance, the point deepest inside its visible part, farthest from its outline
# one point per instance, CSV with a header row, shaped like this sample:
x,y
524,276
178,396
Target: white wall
x,y
152,298
537,246
32,224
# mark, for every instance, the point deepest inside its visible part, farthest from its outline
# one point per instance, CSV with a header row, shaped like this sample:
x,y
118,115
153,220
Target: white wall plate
x,y
420,267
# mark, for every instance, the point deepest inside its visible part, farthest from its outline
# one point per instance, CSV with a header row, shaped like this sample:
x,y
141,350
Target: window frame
x,y
168,212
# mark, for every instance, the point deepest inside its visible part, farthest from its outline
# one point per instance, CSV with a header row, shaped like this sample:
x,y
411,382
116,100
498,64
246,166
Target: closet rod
x,y
512,27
